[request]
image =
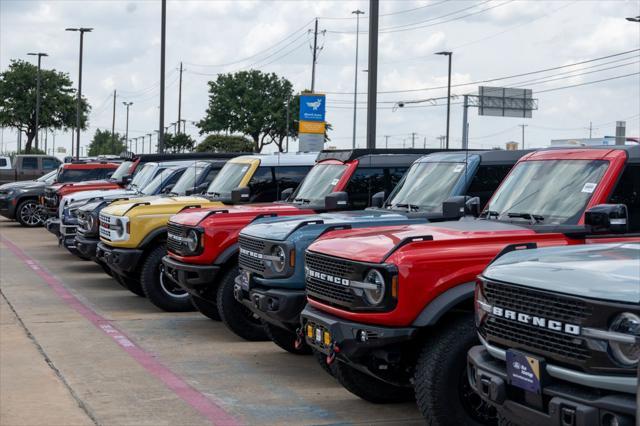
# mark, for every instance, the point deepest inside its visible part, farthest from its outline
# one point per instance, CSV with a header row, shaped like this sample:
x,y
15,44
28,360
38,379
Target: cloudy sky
x,y
490,40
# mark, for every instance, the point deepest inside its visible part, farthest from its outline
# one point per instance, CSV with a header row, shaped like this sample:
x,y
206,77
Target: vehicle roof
x,y
145,158
632,151
345,155
281,159
497,156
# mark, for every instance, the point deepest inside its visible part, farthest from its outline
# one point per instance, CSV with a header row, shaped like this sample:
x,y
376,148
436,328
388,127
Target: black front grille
x,y
327,291
514,334
246,261
178,230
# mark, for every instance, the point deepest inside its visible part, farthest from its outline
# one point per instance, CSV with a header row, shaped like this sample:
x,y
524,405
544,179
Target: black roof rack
x,y
345,155
181,156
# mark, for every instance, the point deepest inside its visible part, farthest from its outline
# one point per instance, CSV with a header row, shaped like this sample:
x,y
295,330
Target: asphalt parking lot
x,y
77,349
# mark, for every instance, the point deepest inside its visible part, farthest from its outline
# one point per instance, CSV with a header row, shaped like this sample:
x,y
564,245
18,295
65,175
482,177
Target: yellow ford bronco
x,y
133,232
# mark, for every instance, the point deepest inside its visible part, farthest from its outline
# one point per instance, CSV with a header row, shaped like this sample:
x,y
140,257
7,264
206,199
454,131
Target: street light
x,y
126,132
449,54
39,55
355,84
636,19
79,105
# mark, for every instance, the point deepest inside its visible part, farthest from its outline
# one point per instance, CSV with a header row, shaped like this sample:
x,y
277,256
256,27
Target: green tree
x,y
225,143
178,143
57,100
103,143
252,103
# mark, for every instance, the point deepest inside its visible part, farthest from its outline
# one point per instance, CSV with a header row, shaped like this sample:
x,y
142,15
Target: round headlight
x,y
627,354
91,222
280,258
192,241
374,295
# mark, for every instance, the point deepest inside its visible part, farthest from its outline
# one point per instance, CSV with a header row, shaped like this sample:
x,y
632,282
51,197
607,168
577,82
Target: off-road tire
x,y
30,217
237,317
442,388
322,362
158,288
206,308
369,388
130,284
286,340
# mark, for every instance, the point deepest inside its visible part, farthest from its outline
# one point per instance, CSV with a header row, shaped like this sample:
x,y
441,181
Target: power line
x,y
385,14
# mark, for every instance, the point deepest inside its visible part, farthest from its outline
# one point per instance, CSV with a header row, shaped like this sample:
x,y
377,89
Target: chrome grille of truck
x,y
250,245
326,291
514,334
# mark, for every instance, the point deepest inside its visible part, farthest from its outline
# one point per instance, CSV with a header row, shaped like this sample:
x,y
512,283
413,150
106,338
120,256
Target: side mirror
x,y
472,207
240,195
378,199
285,194
454,207
126,179
167,189
605,218
336,201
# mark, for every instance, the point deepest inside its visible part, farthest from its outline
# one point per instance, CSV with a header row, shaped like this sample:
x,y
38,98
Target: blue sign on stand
x,y
312,107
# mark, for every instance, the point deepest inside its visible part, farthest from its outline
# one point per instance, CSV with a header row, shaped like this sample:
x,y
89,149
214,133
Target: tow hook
x,y
299,338
333,351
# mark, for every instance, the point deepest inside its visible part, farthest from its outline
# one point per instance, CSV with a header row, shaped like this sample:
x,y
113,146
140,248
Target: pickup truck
x,y
394,305
27,167
203,243
133,233
560,333
278,297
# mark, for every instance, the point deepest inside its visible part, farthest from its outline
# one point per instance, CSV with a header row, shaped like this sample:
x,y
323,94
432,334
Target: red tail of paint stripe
x,y
204,405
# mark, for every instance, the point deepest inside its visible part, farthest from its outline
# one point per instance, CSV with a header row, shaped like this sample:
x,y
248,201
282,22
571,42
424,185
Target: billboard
x,y
505,102
312,107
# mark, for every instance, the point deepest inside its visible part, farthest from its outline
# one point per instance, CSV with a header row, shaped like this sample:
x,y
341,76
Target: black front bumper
x,y
562,403
197,280
7,208
278,306
122,261
87,246
53,226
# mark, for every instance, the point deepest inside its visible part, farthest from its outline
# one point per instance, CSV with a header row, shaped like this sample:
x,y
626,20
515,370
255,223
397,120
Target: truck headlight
x,y
375,294
279,260
119,227
627,354
91,223
192,240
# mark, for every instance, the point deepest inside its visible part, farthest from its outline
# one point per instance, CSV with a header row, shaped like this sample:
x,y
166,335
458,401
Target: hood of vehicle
x,y
103,193
155,205
598,271
279,228
24,184
195,216
374,244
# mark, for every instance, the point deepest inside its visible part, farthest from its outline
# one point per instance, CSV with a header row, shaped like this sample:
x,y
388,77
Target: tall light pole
x,y
79,104
523,126
163,38
372,83
126,131
39,55
449,54
357,12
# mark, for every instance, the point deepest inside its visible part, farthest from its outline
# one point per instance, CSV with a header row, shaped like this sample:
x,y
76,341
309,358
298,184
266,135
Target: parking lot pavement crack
x,y
84,407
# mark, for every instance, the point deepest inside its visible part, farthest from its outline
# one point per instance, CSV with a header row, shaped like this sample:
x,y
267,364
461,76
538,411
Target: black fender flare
x,y
152,236
443,304
227,254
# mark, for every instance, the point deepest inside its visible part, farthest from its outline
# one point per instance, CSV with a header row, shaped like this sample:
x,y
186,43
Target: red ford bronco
x,y
394,305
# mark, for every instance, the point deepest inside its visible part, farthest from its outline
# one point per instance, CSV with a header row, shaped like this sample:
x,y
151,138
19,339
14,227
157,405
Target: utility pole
x,y
79,102
46,134
315,57
449,54
287,134
150,135
163,39
413,140
53,150
19,141
465,123
126,132
39,55
424,142
441,140
372,92
523,126
113,123
180,98
386,141
355,84
590,129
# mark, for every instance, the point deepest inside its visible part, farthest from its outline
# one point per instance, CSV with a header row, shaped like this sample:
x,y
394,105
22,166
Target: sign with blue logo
x,y
525,371
312,107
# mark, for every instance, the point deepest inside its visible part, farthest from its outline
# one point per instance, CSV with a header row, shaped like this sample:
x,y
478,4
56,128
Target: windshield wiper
x,y
535,218
213,194
411,207
302,200
489,213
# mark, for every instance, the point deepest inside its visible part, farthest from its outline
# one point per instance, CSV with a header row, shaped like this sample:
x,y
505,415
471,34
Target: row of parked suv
x,y
490,286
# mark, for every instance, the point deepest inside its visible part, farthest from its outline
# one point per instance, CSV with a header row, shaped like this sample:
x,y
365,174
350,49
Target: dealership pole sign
x,y
312,126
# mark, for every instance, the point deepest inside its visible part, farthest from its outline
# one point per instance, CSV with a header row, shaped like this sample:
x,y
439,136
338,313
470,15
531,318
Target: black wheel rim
x,y
30,214
474,405
169,287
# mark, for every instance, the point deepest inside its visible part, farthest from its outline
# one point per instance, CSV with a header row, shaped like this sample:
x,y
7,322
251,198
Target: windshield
x,y
318,183
122,170
48,178
158,182
188,180
427,185
143,176
550,191
228,179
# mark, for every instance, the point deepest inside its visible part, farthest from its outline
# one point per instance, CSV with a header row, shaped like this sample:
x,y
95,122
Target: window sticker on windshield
x,y
589,187
458,168
334,182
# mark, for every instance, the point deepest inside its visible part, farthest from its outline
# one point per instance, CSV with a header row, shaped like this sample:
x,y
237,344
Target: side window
x,y
363,184
174,178
290,177
486,181
210,176
395,176
627,192
50,163
262,185
3,162
104,173
30,163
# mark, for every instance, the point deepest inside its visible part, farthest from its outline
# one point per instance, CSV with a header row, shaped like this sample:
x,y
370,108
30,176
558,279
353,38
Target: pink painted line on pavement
x,y
204,405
